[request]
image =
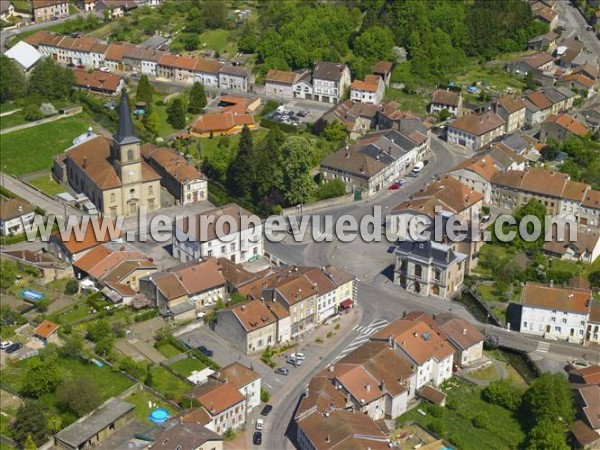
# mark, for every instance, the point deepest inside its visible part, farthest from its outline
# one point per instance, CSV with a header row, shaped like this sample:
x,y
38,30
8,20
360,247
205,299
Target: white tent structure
x,y
23,53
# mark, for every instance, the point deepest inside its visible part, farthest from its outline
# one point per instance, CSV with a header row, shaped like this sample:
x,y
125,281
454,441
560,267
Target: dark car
x,y
13,348
391,249
282,371
257,438
205,351
266,410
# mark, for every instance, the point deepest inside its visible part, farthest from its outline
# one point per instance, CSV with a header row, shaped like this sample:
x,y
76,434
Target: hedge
x,y
268,123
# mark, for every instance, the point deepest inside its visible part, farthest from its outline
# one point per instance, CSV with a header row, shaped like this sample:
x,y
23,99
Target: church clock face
x,y
131,173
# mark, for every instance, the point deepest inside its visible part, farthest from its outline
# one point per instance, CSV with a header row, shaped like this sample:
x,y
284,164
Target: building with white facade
x,y
16,216
229,231
245,380
473,131
370,90
330,81
555,312
224,406
234,78
279,84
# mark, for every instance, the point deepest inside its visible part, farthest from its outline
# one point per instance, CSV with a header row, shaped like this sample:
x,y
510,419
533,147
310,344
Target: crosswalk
x,y
542,347
364,333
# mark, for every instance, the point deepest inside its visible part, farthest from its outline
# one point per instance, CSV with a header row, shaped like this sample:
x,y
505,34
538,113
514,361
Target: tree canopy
x,y
50,80
12,81
30,421
197,101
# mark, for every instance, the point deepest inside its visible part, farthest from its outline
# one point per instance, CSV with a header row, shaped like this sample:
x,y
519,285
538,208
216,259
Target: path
x,y
501,372
37,122
8,113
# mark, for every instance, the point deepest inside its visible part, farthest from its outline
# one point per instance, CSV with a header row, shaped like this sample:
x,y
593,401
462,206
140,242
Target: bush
x,y
502,393
136,369
331,189
72,287
435,410
264,396
482,421
229,435
160,102
146,315
48,109
32,113
436,427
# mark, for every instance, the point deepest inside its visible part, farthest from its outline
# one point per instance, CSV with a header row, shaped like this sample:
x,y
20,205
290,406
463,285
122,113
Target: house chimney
x,y
464,332
331,368
381,386
84,162
243,307
328,438
551,283
368,387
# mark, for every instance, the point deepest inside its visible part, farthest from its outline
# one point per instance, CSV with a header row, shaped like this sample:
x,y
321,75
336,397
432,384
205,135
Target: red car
x,y
394,187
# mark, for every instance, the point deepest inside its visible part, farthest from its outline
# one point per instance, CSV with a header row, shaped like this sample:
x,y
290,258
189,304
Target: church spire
x,y
126,131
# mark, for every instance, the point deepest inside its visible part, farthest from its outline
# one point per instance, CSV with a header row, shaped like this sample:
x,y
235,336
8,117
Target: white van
x,y
418,167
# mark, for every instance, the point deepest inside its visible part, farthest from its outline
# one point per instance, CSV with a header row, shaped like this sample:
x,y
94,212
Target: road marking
x,y
542,347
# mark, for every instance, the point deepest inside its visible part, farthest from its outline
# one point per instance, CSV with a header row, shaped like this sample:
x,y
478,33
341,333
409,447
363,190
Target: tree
x,y
12,81
31,421
98,329
72,287
214,14
29,443
594,279
78,396
444,115
549,152
104,346
502,393
242,174
176,113
549,398
73,345
190,41
296,183
335,131
152,123
42,378
8,273
50,80
530,81
547,435
144,93
375,44
331,189
197,101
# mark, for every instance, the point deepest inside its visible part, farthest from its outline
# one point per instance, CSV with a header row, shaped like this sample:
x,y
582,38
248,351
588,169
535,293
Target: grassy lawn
x,y
495,75
217,40
168,384
12,120
489,252
186,366
415,103
140,399
168,350
46,184
488,293
514,376
455,424
208,145
32,149
487,373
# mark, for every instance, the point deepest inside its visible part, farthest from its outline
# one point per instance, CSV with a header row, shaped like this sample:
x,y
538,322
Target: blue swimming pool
x,y
159,415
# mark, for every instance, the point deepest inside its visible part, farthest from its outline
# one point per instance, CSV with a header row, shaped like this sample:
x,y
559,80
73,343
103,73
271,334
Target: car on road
x,y
205,351
104,69
260,424
393,187
298,356
5,344
266,410
391,249
295,362
400,181
485,218
282,371
14,347
418,167
257,438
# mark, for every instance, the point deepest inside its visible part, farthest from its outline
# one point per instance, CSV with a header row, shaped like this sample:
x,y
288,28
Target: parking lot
x,y
291,116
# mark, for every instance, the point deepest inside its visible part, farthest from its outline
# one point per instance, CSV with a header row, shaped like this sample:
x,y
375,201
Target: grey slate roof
x,y
87,427
438,254
126,131
516,143
325,70
185,436
553,95
377,153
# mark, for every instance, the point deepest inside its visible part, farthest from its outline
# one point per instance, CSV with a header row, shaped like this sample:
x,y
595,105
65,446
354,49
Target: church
x,y
112,172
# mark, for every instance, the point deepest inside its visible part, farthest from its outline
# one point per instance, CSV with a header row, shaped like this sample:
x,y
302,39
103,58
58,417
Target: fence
x,y
336,201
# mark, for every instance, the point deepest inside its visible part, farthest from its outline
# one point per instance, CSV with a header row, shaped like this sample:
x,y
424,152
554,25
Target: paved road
x,y
575,24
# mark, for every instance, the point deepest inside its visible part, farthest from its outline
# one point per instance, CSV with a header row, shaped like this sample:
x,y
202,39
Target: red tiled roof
x,y
97,80
221,122
568,123
220,399
46,329
478,124
559,298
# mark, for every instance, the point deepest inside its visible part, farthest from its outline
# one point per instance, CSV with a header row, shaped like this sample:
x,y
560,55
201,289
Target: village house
x,y
445,99
189,435
7,10
178,176
538,108
384,70
555,312
463,336
512,110
578,82
95,427
113,58
476,173
16,216
585,248
589,212
558,127
87,5
370,90
25,54
242,239
177,68
234,78
357,117
99,82
116,8
303,87
45,330
183,291
376,380
142,59
111,171
245,380
474,131
426,349
223,406
561,98
545,14
505,158
535,62
250,326
569,52
330,81
221,124
45,10
588,409
545,42
592,334
279,84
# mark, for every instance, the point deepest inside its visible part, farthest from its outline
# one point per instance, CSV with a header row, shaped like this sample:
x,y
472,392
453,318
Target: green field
x,y
217,40
415,103
168,350
168,384
186,366
502,432
12,120
46,184
32,149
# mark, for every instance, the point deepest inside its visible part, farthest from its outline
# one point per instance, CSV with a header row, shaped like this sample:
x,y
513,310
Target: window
x,y
564,320
557,329
151,190
112,197
232,247
437,274
524,324
209,253
418,270
129,155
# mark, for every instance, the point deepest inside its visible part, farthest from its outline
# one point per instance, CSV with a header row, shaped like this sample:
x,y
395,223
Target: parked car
x,y
205,351
418,167
282,371
391,249
400,181
104,69
266,410
260,424
393,187
298,356
14,347
5,344
485,218
257,438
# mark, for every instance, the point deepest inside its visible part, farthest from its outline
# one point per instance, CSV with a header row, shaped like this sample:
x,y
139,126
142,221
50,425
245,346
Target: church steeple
x,y
126,132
